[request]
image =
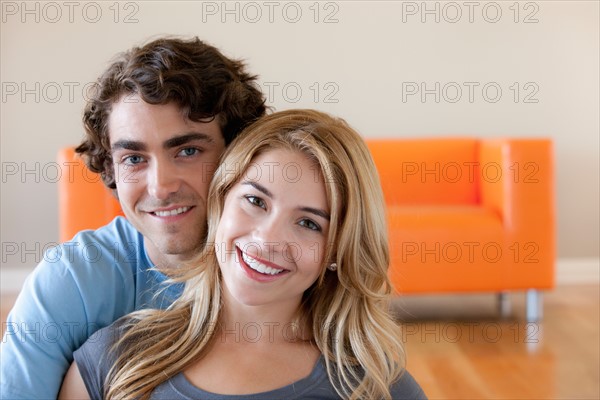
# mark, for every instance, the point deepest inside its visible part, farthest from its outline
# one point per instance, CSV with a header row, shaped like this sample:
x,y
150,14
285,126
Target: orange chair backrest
x,y
83,200
427,171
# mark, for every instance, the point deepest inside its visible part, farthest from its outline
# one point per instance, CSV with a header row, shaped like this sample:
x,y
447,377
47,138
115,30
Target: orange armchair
x,y
468,215
464,215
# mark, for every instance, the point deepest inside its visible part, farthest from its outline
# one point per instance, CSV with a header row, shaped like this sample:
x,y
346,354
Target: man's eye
x,y
189,151
256,201
307,223
132,160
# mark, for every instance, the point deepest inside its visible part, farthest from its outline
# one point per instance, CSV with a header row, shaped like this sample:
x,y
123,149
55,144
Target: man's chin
x,y
177,250
180,252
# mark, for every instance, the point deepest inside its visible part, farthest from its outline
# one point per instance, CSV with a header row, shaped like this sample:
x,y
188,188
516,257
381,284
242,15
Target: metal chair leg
x,y
504,305
533,305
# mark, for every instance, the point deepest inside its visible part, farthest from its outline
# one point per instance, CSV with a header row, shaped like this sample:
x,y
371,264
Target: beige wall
x,y
358,63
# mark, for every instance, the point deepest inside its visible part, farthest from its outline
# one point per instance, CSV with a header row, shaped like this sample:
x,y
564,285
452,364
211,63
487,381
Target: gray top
x,y
94,362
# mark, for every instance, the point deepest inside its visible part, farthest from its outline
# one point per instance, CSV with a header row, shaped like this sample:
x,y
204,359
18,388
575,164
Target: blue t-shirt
x,y
80,286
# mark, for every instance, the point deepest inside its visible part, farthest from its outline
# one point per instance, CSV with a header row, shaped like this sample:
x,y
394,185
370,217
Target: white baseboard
x,y
569,271
574,271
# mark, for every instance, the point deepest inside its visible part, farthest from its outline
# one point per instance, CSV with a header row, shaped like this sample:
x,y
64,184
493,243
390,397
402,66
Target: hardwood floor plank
x,y
458,348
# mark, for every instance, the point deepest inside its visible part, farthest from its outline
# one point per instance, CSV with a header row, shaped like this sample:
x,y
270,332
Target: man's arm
x,y
61,304
47,323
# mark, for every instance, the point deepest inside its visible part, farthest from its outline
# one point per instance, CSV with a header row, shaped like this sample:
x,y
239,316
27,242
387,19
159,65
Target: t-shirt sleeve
x,y
78,288
95,358
407,388
47,322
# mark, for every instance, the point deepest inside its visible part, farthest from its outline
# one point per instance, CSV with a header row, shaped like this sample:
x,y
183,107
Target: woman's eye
x,y
189,151
256,201
310,225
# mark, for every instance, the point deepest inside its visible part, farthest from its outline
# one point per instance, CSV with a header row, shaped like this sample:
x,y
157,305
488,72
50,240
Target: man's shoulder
x,y
117,242
95,256
119,230
92,278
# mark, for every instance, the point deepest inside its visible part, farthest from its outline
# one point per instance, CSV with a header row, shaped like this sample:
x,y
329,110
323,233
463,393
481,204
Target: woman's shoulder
x,y
96,357
97,350
406,387
107,336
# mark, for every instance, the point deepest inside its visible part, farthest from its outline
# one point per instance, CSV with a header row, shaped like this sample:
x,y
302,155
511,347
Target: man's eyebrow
x,y
128,145
168,144
186,138
316,211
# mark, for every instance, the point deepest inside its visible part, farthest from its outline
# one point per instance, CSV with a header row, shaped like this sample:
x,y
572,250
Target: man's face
x,y
163,164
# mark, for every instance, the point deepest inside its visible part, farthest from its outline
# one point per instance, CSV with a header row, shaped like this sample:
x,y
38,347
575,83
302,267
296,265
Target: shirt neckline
x,y
296,389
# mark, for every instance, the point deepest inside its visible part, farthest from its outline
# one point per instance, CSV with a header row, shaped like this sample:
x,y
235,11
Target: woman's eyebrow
x,y
259,187
321,213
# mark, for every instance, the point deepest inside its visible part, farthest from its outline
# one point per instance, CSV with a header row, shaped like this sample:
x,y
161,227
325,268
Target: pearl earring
x,y
332,267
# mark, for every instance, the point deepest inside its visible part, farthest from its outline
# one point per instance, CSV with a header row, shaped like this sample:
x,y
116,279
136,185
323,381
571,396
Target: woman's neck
x,y
265,323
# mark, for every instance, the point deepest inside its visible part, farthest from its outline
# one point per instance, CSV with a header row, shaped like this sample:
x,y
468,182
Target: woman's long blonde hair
x,y
347,309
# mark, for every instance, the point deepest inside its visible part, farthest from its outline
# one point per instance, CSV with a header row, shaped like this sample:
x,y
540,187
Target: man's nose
x,y
163,180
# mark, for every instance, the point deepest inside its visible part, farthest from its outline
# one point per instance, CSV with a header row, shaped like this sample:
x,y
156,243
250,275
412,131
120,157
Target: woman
x,y
288,299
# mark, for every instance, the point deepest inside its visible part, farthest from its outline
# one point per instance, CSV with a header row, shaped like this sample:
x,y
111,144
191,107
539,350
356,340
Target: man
x,y
159,120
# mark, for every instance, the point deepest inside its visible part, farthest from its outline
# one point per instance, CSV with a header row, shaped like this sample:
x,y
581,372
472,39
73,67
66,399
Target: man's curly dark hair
x,y
192,74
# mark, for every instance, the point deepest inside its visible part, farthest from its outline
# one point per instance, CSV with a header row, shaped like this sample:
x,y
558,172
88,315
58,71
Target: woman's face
x,y
271,238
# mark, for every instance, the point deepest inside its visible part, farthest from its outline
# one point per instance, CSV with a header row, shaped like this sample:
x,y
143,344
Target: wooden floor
x,y
458,347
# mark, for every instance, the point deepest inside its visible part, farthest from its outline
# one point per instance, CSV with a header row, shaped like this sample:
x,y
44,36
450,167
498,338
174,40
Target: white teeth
x,y
258,266
169,213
